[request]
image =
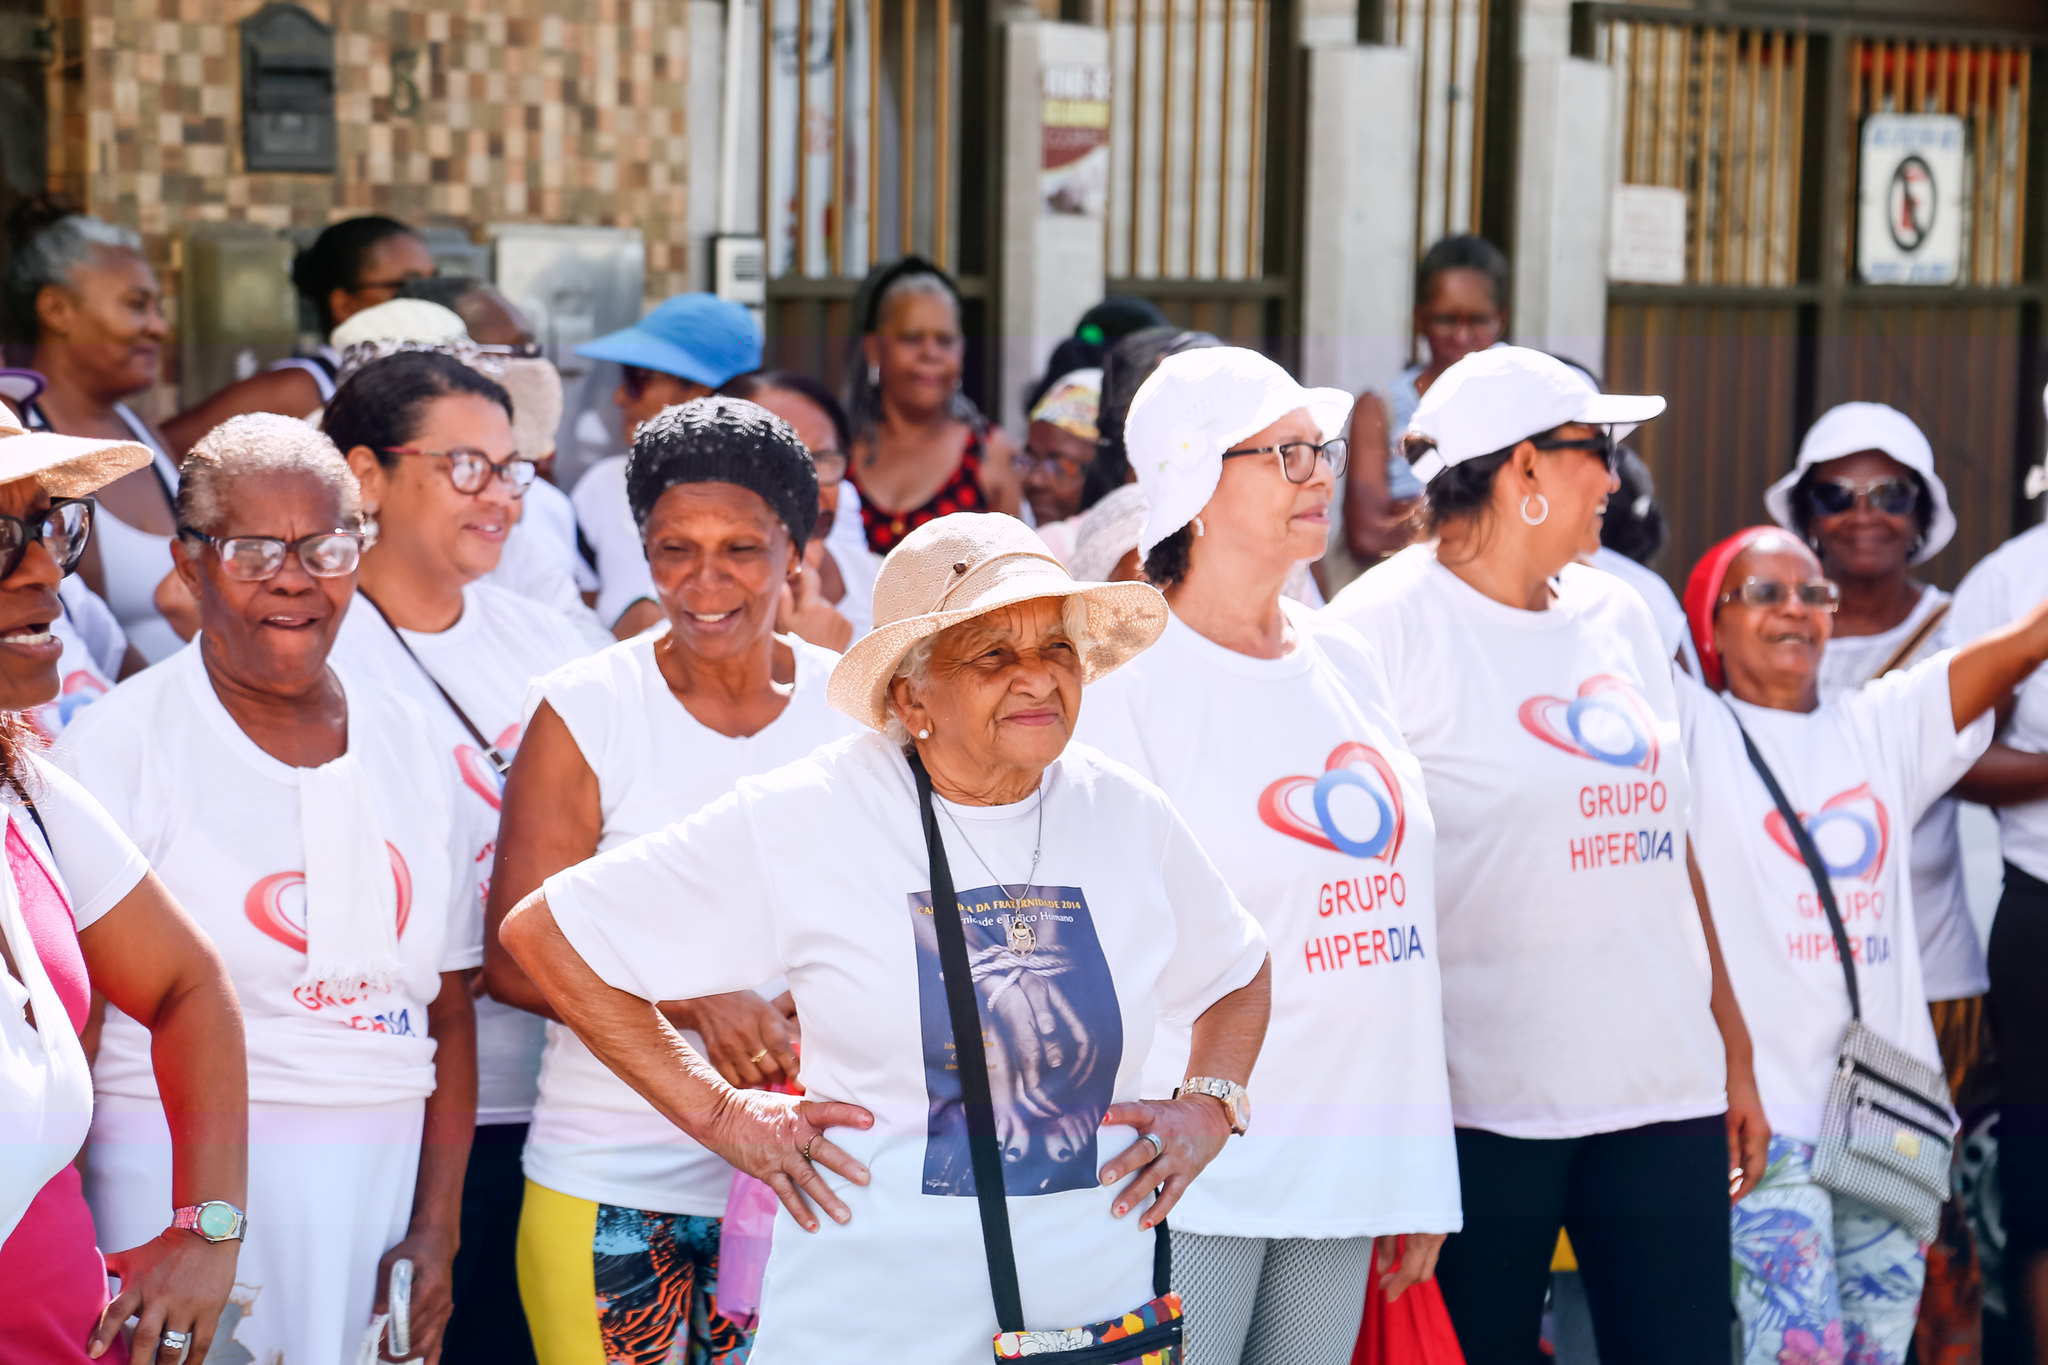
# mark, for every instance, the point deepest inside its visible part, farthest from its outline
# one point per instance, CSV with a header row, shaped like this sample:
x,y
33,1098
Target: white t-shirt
x,y
1663,603
549,512
606,517
81,680
487,660
95,624
847,544
1859,771
1272,762
819,870
593,1136
531,566
2006,585
1951,958
1576,980
218,818
95,862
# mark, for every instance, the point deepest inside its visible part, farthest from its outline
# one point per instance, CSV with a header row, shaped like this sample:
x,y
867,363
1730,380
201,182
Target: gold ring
x,y
756,1058
805,1150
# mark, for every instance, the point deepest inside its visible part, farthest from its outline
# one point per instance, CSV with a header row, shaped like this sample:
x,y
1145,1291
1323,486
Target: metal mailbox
x,y
287,91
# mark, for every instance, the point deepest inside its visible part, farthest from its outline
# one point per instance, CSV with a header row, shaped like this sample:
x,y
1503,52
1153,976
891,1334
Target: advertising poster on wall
x,y
1074,140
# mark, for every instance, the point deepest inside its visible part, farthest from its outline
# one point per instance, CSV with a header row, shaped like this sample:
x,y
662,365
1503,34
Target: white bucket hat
x,y
957,567
1195,406
1496,398
66,466
1848,428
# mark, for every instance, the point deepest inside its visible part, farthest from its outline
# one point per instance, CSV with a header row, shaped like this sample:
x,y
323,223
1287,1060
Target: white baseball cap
x,y
1850,428
1495,398
1195,406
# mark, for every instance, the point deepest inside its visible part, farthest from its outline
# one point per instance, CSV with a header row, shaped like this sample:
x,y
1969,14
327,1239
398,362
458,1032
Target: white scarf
x,y
351,898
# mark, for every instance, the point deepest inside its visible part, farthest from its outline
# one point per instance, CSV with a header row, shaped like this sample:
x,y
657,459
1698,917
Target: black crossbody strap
x,y
983,1148
499,763
972,1063
1811,856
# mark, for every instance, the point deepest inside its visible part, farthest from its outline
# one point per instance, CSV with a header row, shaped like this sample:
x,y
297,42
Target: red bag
x,y
1414,1329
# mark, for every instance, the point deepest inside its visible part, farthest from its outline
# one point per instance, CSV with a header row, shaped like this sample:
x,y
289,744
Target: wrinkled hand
x,y
1191,1130
1749,1132
1406,1260
176,1281
764,1135
432,1253
804,612
738,1029
1054,1053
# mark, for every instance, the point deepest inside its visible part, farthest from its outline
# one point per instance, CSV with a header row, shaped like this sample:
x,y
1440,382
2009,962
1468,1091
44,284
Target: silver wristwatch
x,y
216,1220
1235,1102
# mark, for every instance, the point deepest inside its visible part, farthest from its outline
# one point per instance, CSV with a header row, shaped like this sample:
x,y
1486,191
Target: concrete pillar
x,y
1358,260
1563,204
1053,262
706,96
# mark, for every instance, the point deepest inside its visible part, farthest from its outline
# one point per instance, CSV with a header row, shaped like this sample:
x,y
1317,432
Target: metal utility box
x,y
574,284
287,91
237,311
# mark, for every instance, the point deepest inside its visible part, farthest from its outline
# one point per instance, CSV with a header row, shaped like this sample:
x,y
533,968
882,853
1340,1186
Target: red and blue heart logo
x,y
1606,722
478,774
1354,806
277,904
1851,831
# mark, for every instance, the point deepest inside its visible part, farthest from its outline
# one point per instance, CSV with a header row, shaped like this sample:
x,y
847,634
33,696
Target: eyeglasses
x,y
257,559
1064,467
830,464
1601,445
471,470
386,286
1894,497
1298,458
1817,594
63,528
517,350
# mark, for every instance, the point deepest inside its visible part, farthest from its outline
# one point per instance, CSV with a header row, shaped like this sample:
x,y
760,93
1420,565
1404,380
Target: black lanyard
x,y
499,763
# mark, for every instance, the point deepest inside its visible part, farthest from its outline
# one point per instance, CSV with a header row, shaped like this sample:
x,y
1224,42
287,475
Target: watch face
x,y
217,1220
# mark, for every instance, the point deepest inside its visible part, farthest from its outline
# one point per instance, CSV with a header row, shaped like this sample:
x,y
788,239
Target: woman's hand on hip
x,y
1190,1131
432,1253
780,1141
745,1037
175,1282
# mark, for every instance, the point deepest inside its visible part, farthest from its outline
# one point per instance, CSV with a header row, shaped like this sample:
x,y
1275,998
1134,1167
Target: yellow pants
x,y
556,1282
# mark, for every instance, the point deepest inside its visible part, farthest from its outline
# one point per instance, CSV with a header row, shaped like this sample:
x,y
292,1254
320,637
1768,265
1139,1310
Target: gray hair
x,y
259,443
53,256
916,664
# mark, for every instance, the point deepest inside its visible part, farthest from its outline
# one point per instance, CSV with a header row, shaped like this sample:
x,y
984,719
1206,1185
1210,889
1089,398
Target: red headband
x,y
1703,589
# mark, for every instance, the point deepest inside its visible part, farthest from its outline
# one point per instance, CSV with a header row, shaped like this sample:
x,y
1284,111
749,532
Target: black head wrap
x,y
724,440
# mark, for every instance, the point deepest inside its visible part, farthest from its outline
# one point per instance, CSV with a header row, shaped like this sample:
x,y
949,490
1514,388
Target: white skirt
x,y
330,1191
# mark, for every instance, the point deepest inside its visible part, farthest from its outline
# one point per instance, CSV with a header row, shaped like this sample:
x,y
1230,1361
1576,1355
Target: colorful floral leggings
x,y
1821,1278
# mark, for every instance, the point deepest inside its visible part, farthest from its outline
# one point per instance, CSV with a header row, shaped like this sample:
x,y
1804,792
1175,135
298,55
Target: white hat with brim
x,y
1850,429
958,567
1198,404
65,466
1494,399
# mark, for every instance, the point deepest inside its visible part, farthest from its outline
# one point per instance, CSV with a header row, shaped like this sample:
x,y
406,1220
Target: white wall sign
x,y
1909,199
1647,243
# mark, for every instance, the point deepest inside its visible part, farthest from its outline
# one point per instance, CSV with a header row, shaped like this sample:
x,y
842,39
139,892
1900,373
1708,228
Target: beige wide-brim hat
x,y
957,567
66,466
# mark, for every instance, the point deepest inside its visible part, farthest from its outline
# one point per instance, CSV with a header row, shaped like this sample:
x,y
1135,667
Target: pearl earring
x,y
924,733
1200,530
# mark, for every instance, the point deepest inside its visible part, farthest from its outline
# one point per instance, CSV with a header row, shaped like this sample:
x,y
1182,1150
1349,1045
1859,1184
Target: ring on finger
x,y
177,1344
805,1150
756,1058
1158,1147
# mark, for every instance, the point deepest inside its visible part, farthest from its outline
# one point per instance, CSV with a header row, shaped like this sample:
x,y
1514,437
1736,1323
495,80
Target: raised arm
x,y
148,958
774,1138
1986,669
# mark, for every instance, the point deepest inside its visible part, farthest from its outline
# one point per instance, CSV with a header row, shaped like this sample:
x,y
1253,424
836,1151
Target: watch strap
x,y
188,1218
1229,1092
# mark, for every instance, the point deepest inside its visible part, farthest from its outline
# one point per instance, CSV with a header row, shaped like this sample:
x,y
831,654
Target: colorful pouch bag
x,y
1147,1335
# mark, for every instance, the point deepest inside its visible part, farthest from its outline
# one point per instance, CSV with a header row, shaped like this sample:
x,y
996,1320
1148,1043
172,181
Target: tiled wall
x,y
558,111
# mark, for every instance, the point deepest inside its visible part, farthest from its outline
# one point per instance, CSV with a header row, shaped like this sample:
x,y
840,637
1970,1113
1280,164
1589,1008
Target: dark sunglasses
x,y
1298,458
257,559
62,528
1818,594
1601,445
1893,497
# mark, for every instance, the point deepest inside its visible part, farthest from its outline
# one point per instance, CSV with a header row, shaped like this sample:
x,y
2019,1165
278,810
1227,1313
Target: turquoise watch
x,y
216,1220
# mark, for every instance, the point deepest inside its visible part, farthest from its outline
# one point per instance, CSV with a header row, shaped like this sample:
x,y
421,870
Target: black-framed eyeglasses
x,y
257,559
1063,467
1895,497
1298,458
1816,594
62,528
830,464
1600,444
471,470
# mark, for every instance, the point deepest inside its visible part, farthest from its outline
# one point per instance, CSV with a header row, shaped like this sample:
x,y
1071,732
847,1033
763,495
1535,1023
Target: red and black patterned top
x,y
960,493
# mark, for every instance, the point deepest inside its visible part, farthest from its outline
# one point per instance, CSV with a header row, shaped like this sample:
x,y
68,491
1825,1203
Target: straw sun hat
x,y
66,466
957,567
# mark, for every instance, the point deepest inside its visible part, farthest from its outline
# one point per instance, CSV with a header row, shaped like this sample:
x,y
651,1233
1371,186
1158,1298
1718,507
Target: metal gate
x,y
1756,121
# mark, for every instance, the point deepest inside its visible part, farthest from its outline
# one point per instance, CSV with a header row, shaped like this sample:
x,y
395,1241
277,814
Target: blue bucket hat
x,y
699,337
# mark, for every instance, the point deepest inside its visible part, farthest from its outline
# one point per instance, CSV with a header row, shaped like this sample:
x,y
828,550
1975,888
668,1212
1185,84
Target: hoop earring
x,y
1200,530
1540,517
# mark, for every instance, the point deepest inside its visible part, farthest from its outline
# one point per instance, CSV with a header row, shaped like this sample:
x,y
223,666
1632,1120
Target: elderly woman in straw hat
x,y
1076,904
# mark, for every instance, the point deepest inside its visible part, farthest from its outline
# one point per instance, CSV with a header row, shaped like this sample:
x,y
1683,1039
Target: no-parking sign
x,y
1909,199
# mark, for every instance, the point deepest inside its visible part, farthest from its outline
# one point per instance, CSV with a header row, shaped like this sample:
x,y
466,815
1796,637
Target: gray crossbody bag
x,y
1886,1134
